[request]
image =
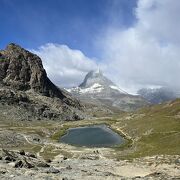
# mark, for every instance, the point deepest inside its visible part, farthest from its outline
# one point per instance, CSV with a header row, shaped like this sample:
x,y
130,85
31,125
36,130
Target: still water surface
x,y
92,136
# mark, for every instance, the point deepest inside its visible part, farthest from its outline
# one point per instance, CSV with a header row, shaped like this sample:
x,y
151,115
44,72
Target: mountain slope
x,y
154,130
24,83
98,89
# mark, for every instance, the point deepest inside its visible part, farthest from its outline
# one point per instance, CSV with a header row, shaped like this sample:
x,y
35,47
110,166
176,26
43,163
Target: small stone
x,y
22,152
43,164
69,167
154,174
65,158
9,159
2,172
52,170
137,177
28,165
48,160
31,155
36,139
65,178
19,164
177,161
12,164
108,174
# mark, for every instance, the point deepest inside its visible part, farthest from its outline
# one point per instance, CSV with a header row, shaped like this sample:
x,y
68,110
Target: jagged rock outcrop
x,y
23,71
22,76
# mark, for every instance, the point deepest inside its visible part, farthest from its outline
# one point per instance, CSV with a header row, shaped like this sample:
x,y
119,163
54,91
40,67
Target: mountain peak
x,y
13,46
23,70
98,89
95,77
94,73
96,83
97,71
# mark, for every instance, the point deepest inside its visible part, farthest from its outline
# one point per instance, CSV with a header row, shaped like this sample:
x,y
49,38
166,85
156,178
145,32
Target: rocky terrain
x,y
21,165
25,88
99,90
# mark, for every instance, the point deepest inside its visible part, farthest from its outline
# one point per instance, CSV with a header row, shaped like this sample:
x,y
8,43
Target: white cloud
x,y
159,19
147,54
66,67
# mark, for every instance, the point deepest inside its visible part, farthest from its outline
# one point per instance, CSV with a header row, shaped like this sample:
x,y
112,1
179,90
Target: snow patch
x,y
68,90
95,88
117,88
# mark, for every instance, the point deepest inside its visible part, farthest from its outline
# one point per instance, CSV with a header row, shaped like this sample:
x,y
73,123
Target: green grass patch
x,y
154,130
62,131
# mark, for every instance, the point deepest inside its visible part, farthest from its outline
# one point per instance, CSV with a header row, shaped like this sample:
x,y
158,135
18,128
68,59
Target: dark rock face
x,y
21,72
11,97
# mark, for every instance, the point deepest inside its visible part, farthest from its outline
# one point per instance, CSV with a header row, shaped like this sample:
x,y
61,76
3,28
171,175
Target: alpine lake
x,y
92,136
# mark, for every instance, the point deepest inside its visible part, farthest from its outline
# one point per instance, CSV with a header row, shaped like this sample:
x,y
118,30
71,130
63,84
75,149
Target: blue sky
x,y
75,23
136,43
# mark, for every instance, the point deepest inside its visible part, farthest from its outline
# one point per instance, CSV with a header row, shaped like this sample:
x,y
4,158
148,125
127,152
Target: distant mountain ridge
x,y
159,95
98,89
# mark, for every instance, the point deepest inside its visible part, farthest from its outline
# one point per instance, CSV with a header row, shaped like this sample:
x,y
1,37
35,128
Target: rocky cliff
x,y
23,80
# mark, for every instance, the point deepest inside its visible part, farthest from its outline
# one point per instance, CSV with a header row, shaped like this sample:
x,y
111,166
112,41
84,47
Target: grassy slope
x,y
155,130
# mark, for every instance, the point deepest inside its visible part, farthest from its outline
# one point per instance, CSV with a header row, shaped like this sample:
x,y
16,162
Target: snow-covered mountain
x,y
98,89
96,83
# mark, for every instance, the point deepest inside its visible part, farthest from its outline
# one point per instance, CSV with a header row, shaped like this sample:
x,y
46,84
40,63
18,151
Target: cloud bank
x,y
147,54
65,66
144,55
